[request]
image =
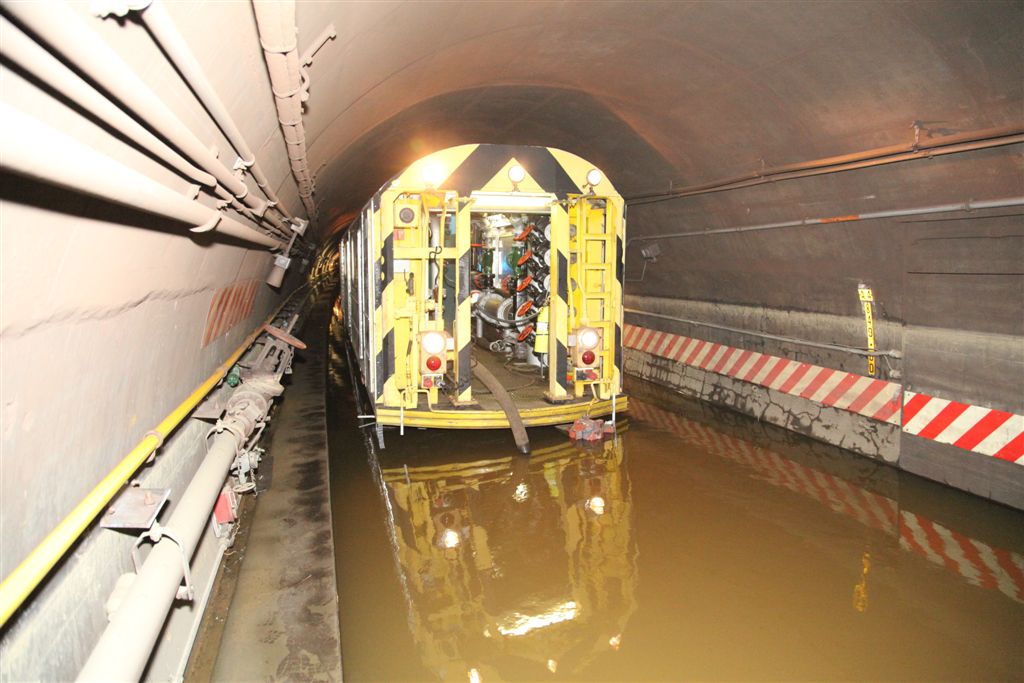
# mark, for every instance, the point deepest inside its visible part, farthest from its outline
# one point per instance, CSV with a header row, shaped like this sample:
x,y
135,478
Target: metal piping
x,y
67,34
275,22
38,151
20,583
765,335
125,646
47,69
969,205
953,144
166,34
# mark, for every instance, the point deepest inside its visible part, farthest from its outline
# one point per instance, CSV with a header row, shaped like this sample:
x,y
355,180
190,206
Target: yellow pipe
x,y
20,583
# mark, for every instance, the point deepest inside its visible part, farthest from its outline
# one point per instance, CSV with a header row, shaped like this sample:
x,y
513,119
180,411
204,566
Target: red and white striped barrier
x,y
874,398
974,428
982,430
230,306
975,561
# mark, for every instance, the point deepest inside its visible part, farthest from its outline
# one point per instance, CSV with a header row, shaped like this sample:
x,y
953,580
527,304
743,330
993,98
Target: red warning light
x,y
434,363
588,357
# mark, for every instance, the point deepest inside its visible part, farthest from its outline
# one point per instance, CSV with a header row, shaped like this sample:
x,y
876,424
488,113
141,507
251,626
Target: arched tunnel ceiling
x,y
654,92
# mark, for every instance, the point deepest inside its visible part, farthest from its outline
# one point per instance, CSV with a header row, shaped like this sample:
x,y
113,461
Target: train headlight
x,y
516,174
594,177
433,343
596,505
588,338
433,173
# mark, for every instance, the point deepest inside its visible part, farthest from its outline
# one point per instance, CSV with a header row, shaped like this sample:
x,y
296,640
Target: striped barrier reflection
x,y
976,562
230,306
975,428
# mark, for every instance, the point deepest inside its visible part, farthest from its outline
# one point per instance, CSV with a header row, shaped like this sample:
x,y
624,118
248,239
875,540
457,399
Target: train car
x,y
494,263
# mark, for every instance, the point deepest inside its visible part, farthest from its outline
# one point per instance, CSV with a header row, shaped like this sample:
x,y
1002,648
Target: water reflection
x,y
973,560
528,564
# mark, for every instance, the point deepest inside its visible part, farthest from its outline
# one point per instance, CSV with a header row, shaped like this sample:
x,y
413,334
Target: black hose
x,y
504,399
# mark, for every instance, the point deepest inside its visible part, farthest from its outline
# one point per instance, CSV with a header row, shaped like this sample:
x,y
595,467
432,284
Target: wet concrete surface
x,y
280,582
697,545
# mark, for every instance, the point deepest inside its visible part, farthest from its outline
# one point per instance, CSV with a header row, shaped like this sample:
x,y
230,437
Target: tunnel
x,y
821,337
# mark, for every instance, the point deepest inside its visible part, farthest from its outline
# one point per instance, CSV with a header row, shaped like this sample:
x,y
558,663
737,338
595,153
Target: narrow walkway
x,y
283,621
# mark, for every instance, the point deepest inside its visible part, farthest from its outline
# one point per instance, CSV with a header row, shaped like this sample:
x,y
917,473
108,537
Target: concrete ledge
x,y
283,621
839,427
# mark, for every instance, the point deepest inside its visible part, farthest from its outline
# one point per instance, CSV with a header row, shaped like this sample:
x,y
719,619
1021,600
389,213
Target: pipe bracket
x,y
208,225
119,8
157,533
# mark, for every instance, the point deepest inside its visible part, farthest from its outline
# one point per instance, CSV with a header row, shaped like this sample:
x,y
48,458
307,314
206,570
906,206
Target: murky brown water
x,y
695,546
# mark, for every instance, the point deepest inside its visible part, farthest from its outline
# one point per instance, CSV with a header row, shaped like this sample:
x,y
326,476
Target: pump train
x,y
506,258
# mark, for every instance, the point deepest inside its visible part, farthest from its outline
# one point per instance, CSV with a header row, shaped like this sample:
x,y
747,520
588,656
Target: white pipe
x,y
275,22
38,151
200,609
125,646
66,33
127,643
34,59
170,39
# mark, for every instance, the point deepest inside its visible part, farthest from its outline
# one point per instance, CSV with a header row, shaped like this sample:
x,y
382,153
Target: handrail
x,y
19,584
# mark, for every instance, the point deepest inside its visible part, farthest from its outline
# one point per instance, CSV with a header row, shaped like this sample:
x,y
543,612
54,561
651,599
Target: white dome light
x,y
433,343
516,174
433,173
594,177
588,338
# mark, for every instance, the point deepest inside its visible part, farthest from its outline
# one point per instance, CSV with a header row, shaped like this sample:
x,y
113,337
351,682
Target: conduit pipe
x,y
125,646
46,68
38,151
953,144
20,583
67,34
166,34
275,22
891,353
969,205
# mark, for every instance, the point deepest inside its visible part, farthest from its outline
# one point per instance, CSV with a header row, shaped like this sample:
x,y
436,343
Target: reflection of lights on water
x,y
596,505
615,641
521,624
474,676
552,666
522,493
450,538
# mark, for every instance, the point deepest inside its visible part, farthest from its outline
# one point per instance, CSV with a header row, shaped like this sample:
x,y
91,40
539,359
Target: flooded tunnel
x,y
511,341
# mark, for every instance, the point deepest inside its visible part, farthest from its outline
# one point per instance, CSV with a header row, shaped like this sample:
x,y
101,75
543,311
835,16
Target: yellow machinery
x,y
505,256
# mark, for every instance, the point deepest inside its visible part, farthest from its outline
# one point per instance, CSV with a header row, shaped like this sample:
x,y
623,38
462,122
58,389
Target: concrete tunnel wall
x,y
105,309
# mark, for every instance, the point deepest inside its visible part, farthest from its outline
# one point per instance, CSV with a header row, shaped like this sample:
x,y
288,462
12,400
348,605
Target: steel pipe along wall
x,y
29,146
